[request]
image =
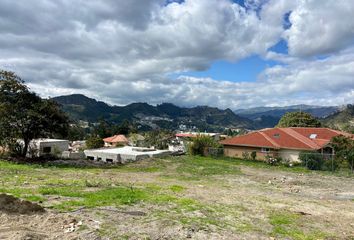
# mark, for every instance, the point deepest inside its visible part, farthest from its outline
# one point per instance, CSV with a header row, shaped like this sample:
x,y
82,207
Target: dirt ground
x,y
249,202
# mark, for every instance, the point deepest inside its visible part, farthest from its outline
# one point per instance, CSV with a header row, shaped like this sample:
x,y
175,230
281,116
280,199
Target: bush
x,y
254,155
119,145
94,142
201,144
311,160
246,156
331,164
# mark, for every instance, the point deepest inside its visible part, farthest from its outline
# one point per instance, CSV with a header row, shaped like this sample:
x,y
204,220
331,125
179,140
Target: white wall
x,y
56,147
292,155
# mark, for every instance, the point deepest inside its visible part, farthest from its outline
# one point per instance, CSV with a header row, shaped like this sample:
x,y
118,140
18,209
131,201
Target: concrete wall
x,y
237,151
73,155
37,147
57,148
123,155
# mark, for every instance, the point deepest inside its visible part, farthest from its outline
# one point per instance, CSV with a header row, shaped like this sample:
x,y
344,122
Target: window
x,y
47,150
90,158
276,135
109,160
313,136
265,150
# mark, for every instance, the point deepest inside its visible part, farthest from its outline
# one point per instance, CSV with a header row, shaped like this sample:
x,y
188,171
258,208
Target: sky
x,y
221,53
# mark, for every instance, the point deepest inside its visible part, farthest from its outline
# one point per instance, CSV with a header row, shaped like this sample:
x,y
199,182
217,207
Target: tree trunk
x,y
25,147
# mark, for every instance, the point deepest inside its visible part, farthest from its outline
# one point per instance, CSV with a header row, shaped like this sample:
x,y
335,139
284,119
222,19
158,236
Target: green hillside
x,y
342,120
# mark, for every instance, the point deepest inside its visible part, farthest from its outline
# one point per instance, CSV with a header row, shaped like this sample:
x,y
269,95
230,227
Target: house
x,y
286,143
45,146
115,140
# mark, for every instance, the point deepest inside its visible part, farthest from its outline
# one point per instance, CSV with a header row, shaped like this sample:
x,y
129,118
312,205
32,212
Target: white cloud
x,y
320,27
123,51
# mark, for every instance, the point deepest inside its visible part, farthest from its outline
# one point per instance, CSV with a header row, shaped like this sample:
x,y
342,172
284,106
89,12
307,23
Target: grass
x,y
169,186
286,224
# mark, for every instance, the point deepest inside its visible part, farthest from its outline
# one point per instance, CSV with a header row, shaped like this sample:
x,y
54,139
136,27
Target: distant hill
x,y
342,120
166,115
269,116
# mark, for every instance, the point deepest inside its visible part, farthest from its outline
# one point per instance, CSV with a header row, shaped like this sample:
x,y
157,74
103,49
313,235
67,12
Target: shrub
x,y
311,160
94,142
118,145
200,145
254,155
246,156
331,164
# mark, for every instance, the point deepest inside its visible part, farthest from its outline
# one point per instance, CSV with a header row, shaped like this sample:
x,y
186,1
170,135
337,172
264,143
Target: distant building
x,y
44,146
123,154
286,143
115,140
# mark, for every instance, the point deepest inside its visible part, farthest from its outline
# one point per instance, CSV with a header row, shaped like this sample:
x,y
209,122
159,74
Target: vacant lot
x,y
178,198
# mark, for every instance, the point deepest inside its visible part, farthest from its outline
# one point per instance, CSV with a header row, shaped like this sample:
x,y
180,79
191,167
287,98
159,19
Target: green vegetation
x,y
201,144
287,224
94,142
203,193
312,160
342,120
298,119
80,107
25,116
344,148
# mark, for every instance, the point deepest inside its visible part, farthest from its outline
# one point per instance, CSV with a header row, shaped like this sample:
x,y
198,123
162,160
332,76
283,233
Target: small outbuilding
x,y
45,146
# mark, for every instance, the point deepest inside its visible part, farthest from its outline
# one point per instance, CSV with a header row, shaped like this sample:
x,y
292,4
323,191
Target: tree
x,y
103,129
158,139
25,116
201,143
76,133
94,142
344,149
298,119
123,128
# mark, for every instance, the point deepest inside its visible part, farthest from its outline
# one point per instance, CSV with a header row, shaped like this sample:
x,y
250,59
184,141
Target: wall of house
x,y
288,154
237,151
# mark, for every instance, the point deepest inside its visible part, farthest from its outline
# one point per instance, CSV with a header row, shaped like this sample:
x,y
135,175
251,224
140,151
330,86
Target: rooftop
x,y
288,138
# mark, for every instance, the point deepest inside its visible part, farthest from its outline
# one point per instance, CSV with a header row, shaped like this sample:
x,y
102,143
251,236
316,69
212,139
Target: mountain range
x,y
200,118
165,115
270,116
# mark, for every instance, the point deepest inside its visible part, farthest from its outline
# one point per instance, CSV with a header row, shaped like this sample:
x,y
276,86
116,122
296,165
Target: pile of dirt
x,y
12,205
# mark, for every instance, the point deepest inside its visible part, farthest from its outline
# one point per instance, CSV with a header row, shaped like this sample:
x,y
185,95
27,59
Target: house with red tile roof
x,y
115,140
286,143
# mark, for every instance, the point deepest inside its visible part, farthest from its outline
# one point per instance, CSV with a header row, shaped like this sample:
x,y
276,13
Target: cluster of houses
x,y
286,143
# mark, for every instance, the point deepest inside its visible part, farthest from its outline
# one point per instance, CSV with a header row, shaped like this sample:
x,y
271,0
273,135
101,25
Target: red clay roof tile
x,y
287,138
